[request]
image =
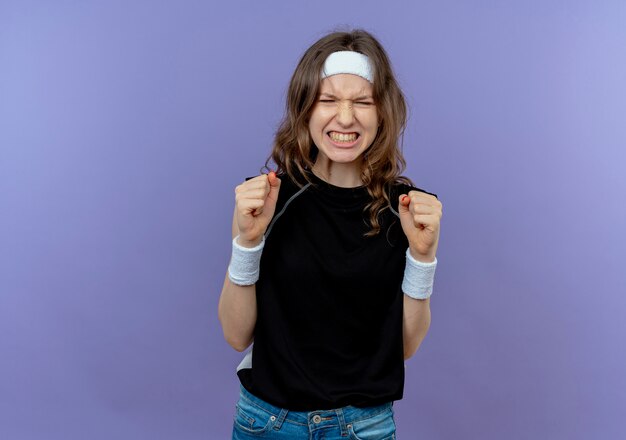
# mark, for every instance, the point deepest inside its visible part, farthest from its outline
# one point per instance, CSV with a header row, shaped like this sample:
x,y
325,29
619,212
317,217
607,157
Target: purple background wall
x,y
125,126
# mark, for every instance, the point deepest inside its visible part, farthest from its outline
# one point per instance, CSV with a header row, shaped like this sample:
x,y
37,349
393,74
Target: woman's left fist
x,y
420,217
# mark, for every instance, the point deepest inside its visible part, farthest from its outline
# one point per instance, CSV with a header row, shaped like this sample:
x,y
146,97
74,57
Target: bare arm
x,y
237,309
255,203
416,317
420,216
415,323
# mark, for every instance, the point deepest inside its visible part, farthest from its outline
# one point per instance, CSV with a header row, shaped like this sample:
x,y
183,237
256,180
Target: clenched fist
x,y
255,203
420,216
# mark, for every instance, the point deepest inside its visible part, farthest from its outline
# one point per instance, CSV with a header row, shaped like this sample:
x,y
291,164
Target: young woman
x,y
340,297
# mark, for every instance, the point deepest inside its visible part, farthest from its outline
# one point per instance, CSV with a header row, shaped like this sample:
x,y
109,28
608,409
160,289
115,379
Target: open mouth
x,y
343,139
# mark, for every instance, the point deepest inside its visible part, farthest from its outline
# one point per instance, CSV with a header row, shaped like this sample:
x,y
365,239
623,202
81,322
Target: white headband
x,y
347,61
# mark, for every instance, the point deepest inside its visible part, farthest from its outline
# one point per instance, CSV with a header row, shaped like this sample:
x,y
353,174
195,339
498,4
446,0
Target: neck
x,y
345,175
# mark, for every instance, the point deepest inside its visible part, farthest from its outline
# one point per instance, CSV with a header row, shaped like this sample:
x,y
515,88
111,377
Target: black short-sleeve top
x,y
329,301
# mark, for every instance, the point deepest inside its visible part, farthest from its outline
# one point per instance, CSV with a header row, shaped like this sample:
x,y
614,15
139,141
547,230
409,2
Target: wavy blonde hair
x,y
293,150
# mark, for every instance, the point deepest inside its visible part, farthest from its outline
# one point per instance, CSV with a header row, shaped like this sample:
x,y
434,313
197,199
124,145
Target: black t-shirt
x,y
329,302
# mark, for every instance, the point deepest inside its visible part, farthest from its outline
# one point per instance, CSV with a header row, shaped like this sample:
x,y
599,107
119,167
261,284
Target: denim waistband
x,y
348,414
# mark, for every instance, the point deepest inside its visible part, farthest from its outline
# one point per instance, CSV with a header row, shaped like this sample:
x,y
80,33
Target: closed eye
x,y
358,102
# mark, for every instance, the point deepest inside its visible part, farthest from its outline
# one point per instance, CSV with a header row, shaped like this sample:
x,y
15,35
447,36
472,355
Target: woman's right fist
x,y
255,202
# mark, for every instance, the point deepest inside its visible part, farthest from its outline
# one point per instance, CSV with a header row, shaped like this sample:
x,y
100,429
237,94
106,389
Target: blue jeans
x,y
255,418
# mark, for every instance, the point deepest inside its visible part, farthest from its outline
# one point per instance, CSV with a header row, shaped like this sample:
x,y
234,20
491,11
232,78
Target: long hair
x,y
293,150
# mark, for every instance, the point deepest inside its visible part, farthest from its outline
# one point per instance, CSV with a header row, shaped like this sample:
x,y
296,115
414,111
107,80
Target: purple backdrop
x,y
125,126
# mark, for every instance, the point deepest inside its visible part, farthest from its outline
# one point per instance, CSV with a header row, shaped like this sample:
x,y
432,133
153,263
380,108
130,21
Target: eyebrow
x,y
330,95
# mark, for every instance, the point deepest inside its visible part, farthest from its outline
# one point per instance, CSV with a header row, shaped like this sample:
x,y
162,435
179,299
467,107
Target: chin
x,y
343,159
344,156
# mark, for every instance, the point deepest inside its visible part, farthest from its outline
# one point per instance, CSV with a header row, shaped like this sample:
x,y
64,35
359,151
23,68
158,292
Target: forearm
x,y
415,323
237,313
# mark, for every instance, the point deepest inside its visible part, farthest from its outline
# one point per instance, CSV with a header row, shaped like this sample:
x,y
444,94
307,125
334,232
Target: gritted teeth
x,y
343,137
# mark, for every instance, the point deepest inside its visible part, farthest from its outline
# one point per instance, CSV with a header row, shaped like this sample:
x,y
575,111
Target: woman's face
x,y
344,120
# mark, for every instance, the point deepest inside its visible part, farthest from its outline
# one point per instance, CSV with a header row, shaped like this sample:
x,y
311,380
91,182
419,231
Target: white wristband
x,y
418,277
245,263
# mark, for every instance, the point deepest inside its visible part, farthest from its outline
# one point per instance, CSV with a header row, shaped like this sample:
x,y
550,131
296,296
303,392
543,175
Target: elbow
x,y
409,351
239,346
237,342
413,344
234,337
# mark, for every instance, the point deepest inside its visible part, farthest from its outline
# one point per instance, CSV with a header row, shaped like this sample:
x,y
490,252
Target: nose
x,y
345,113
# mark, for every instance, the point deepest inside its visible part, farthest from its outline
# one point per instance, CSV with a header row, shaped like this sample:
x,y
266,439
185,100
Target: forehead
x,y
346,84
